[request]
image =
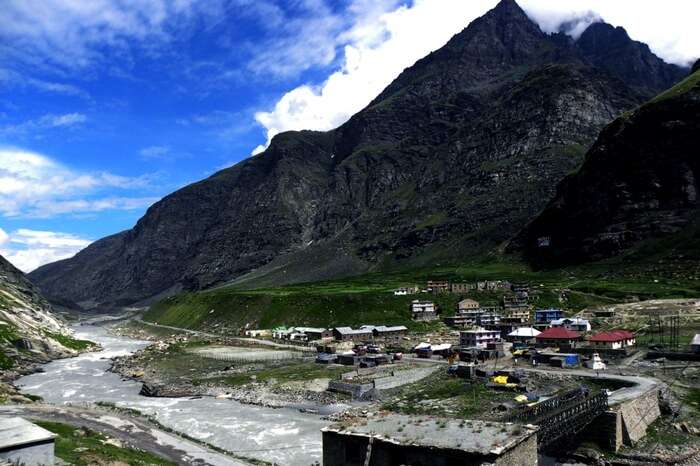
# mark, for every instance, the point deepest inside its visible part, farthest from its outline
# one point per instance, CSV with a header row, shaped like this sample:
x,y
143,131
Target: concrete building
x,y
478,338
438,286
613,340
409,440
423,310
516,314
349,334
22,442
404,291
314,333
462,288
559,337
577,324
467,305
548,315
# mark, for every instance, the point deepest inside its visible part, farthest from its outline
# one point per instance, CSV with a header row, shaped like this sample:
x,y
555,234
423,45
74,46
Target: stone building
x,y
409,440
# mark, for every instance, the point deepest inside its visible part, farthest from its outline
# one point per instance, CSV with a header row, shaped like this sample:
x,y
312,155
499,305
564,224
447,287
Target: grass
x,y
454,397
679,89
70,342
288,373
84,447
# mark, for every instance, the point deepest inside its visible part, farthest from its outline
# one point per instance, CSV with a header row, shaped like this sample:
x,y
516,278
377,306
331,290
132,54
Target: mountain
x,y
450,160
636,195
29,332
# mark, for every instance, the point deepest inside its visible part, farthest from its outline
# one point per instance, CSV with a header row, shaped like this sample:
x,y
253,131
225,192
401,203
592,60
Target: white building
x,y
478,338
577,324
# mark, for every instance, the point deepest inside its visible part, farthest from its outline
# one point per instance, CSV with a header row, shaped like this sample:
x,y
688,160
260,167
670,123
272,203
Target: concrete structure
x,y
523,335
479,338
576,324
423,310
596,363
558,337
314,333
438,286
467,305
612,340
695,344
548,315
516,314
404,291
350,334
22,442
258,333
398,439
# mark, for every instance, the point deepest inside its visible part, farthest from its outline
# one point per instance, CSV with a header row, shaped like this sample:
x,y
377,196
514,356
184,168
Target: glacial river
x,y
283,436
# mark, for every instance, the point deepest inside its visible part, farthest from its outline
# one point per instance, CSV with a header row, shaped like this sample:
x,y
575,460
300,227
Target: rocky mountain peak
x,y
696,67
611,48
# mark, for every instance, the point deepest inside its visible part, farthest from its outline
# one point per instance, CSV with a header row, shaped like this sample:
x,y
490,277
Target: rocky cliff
x,y
451,159
29,332
636,193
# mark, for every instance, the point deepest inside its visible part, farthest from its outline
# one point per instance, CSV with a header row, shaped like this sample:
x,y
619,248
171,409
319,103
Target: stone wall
x,y
524,454
356,390
37,454
637,415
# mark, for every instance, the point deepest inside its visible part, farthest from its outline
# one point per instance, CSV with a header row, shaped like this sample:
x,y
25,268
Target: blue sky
x,y
108,105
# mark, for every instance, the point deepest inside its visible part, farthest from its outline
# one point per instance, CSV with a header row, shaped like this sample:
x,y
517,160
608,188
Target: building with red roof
x,y
559,337
613,339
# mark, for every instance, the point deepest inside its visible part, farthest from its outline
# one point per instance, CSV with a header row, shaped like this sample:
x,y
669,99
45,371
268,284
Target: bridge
x,y
563,416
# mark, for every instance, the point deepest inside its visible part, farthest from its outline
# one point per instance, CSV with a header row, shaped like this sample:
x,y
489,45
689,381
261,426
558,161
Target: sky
x,y
106,106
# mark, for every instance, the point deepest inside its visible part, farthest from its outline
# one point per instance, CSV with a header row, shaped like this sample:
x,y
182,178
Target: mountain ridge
x,y
454,156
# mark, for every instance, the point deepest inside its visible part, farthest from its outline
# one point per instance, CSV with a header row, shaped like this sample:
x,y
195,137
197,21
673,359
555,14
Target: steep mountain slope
x,y
453,157
29,332
636,194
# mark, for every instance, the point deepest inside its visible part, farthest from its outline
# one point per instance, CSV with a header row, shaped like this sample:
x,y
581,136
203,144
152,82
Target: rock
x,y
696,67
460,151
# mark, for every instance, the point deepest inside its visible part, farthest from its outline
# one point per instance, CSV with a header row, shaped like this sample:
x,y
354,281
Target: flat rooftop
x,y
17,432
478,437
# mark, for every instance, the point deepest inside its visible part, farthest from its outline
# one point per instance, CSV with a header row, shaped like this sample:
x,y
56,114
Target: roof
x,y
441,347
310,329
16,432
350,331
696,339
548,310
558,333
476,437
613,335
570,320
468,301
395,328
524,332
479,331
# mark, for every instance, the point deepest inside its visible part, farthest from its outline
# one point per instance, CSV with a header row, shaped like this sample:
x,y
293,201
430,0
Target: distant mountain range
x,y
452,159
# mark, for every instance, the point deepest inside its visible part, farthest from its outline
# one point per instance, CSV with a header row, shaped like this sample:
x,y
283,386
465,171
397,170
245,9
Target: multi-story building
x,y
423,310
547,315
467,305
438,286
478,338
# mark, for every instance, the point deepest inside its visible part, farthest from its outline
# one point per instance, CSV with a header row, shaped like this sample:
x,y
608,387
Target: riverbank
x,y
276,436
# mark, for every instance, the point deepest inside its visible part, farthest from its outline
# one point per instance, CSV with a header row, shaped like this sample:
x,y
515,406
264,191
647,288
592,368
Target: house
x,y
548,315
22,442
403,291
438,286
555,359
383,331
462,288
467,305
423,310
523,335
314,333
612,340
349,334
478,338
576,324
459,321
281,333
258,333
516,314
348,358
488,318
401,439
695,344
558,337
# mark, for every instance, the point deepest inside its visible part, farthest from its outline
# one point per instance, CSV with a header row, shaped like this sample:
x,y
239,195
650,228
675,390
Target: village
x,y
509,381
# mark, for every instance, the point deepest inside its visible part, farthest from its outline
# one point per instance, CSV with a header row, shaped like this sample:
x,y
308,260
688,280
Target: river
x,y
282,436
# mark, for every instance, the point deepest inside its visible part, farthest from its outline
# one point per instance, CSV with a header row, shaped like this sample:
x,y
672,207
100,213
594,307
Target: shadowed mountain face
x,y
453,157
639,185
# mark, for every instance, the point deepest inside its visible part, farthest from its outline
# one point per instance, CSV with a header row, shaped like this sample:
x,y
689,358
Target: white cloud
x,y
48,121
378,47
29,249
155,152
34,185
